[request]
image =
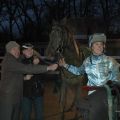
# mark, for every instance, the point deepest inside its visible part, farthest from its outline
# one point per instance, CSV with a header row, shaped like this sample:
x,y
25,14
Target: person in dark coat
x,y
33,86
11,84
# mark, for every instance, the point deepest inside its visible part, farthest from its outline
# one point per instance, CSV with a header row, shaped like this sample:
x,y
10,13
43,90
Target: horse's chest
x,y
72,58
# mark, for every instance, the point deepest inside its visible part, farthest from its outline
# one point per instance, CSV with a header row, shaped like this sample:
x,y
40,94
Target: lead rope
x,y
110,102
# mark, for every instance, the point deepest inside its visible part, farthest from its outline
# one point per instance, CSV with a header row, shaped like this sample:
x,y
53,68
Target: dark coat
x,y
11,84
33,87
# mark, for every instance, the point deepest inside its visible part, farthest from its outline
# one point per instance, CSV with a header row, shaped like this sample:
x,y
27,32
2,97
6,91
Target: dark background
x,y
31,20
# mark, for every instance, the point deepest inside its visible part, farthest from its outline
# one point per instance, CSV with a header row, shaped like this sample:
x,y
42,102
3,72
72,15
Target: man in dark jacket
x,y
11,84
33,86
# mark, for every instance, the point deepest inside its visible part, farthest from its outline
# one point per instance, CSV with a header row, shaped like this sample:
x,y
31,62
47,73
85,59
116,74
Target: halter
x,y
60,44
63,32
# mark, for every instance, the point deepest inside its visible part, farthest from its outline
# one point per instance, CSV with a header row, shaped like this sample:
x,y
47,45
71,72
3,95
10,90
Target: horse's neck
x,y
71,56
74,53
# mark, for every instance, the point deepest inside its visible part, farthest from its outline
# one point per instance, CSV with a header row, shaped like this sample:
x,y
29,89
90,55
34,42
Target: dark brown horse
x,y
62,44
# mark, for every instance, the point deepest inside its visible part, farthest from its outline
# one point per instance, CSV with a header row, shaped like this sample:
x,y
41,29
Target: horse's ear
x,y
64,21
54,22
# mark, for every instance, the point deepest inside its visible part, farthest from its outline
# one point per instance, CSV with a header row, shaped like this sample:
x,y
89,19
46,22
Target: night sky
x,y
31,20
25,19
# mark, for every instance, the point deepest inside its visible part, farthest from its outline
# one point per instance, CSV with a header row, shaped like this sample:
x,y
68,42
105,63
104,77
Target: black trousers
x,y
94,106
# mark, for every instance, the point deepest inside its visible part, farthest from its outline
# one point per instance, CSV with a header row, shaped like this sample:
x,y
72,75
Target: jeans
x,y
37,103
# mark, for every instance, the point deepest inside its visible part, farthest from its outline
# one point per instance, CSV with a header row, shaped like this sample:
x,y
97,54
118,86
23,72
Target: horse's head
x,y
59,36
62,43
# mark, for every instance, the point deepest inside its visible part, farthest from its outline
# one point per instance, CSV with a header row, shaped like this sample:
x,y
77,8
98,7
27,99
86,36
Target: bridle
x,y
60,44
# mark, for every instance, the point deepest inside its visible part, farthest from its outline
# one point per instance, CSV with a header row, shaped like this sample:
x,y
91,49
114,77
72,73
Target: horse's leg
x,y
68,99
63,99
80,95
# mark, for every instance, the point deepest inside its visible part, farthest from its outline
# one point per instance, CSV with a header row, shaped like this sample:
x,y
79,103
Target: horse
x,y
63,44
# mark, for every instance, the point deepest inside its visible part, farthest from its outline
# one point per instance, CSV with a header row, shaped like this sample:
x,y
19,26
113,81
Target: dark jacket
x,y
11,84
35,86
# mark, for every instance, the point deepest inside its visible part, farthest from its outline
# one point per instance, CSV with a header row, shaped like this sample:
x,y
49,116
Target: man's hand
x,y
36,61
27,77
62,62
52,67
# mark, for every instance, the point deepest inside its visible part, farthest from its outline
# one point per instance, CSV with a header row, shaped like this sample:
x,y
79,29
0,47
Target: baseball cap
x,y
27,45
